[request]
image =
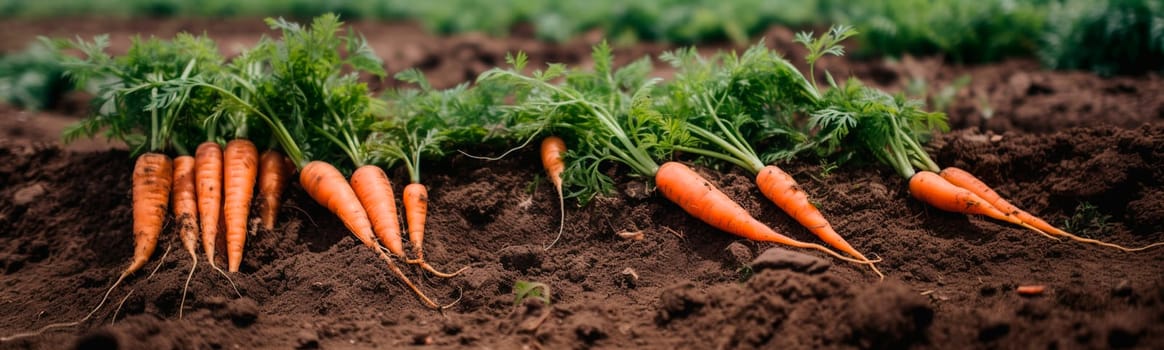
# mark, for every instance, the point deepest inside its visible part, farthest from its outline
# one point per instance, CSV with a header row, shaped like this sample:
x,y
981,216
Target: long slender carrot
x,y
185,207
931,188
208,179
703,200
416,212
240,167
552,149
783,190
328,187
964,179
273,174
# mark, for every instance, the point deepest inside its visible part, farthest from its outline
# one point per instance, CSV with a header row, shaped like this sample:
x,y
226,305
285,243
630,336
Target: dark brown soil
x,y
65,234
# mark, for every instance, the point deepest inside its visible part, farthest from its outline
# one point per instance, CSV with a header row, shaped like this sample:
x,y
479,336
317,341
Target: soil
x,y
632,270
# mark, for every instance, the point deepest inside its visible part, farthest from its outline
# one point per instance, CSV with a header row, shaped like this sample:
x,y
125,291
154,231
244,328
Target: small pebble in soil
x,y
738,254
679,301
780,258
28,194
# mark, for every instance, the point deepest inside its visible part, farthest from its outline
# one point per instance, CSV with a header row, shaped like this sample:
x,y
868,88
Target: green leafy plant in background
x,y
34,78
1105,36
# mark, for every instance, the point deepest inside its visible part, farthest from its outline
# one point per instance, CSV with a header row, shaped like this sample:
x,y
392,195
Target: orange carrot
x,y
931,188
273,174
552,149
783,190
185,207
1031,290
374,190
240,166
701,199
416,212
208,179
328,187
964,179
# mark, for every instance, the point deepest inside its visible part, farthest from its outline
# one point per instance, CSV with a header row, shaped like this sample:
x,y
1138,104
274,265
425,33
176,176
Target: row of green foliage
x,y
1108,36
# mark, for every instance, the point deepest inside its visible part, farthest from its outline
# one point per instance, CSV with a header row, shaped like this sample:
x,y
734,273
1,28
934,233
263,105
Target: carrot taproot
x,y
185,207
552,149
931,188
964,179
374,190
208,179
700,198
327,186
782,189
1031,290
273,174
415,198
240,168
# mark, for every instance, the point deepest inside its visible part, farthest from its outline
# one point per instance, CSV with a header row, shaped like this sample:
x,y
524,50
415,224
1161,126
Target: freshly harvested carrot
x,y
703,200
1031,290
240,167
374,190
783,190
416,212
552,149
931,188
964,179
185,207
328,187
208,179
273,174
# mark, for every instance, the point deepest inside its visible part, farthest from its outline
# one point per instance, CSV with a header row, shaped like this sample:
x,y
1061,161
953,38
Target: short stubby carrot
x,y
208,179
273,175
327,186
415,200
783,190
964,179
374,190
240,168
552,149
701,199
931,188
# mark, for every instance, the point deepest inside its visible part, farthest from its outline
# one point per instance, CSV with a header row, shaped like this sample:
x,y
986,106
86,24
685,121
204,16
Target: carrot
x,y
208,179
701,199
552,149
964,179
1031,290
374,190
185,207
240,166
931,188
328,187
416,211
783,190
273,174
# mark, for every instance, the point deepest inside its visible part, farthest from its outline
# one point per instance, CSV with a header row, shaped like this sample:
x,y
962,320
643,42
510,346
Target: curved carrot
x,y
931,188
374,190
964,179
185,206
273,174
783,190
701,199
328,187
416,212
208,179
240,167
552,149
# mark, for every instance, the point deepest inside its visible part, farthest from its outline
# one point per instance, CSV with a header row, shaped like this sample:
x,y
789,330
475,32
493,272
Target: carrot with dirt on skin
x,y
964,179
273,174
374,191
185,207
240,168
328,187
551,152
